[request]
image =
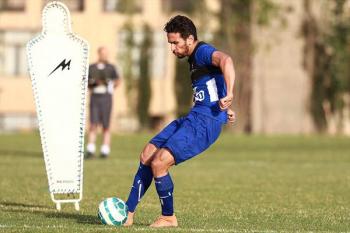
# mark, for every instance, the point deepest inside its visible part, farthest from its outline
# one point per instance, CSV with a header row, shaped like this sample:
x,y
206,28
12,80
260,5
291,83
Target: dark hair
x,y
182,25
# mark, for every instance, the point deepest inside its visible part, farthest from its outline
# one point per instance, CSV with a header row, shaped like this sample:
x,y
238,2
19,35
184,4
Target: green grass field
x,y
241,184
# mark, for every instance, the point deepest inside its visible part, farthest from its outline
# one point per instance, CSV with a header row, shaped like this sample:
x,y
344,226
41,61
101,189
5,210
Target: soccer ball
x,y
113,211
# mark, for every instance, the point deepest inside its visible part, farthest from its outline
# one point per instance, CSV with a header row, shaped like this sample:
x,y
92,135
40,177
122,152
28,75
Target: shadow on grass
x,y
15,207
80,218
19,205
21,153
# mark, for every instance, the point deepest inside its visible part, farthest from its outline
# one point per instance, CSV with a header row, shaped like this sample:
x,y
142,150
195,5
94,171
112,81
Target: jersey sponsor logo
x,y
198,95
63,64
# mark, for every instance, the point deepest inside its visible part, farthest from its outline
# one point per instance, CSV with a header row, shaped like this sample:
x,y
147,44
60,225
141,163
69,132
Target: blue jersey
x,y
207,82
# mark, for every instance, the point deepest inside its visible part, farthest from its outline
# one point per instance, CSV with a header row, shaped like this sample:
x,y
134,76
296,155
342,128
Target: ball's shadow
x,y
80,218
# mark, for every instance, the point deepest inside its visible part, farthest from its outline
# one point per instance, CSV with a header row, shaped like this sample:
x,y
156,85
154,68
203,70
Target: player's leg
x,y
91,147
145,170
105,148
161,163
142,181
106,109
92,133
196,134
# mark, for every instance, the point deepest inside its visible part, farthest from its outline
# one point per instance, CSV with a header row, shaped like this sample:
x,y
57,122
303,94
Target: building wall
x,y
281,87
98,28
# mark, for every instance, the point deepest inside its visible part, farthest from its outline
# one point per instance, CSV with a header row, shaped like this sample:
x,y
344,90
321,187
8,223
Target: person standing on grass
x,y
213,76
103,79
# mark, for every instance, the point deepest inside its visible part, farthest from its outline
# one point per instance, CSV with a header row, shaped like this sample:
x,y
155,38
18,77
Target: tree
x,y
326,60
235,38
126,60
144,86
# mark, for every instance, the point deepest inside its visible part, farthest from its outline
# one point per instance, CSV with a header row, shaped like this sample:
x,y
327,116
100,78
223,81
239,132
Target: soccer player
x,y
213,76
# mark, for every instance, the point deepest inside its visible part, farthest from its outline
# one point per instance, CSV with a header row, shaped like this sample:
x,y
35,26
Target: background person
x,y
103,79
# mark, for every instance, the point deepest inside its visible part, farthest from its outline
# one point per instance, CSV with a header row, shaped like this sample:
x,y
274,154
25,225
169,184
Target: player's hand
x,y
226,102
231,116
99,82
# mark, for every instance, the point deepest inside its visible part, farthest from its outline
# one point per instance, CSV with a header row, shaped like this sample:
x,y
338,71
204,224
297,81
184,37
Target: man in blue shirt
x,y
213,76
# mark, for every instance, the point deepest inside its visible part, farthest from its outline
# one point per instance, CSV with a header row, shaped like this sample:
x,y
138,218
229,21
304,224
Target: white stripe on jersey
x,y
213,90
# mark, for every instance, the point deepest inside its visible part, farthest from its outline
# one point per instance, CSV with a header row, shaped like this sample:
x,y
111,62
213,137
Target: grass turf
x,y
241,184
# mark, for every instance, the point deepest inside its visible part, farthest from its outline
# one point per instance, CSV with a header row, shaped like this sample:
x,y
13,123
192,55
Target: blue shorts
x,y
188,136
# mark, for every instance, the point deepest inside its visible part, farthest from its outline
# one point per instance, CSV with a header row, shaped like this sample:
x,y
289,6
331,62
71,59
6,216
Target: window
x,y
129,52
129,49
123,6
73,5
159,55
12,5
187,6
13,52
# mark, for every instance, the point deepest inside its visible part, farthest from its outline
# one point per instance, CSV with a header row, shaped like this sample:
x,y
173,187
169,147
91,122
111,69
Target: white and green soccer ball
x,y
113,211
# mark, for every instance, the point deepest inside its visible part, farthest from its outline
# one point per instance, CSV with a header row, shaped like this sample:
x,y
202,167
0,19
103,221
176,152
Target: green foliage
x,y
126,58
186,6
144,86
328,41
236,17
127,6
266,10
234,38
339,40
322,87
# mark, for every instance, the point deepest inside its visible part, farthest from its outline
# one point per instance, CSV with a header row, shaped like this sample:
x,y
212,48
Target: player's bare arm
x,y
225,63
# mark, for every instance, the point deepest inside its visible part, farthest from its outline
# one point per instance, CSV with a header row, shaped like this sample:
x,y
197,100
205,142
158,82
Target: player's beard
x,y
180,56
184,54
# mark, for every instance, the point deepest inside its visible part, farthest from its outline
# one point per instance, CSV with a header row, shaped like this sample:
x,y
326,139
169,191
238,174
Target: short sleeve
x,y
114,72
204,55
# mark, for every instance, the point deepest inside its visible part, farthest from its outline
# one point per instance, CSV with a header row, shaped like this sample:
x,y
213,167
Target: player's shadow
x,y
20,153
16,207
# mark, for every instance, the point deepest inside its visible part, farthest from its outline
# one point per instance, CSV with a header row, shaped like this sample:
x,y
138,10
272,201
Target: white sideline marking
x,y
140,229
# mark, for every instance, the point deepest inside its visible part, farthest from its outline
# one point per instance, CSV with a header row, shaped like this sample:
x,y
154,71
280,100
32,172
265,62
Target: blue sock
x,y
165,189
142,181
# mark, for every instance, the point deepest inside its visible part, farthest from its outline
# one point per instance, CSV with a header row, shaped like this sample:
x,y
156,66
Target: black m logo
x,y
63,64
